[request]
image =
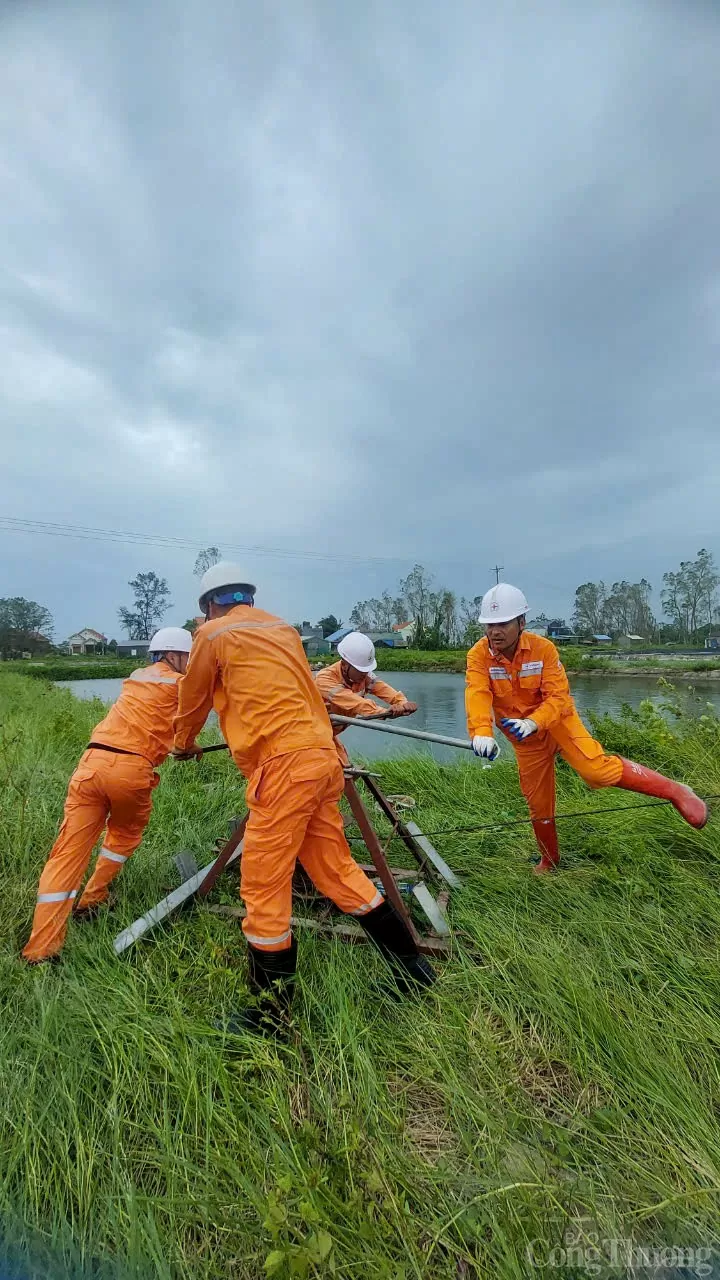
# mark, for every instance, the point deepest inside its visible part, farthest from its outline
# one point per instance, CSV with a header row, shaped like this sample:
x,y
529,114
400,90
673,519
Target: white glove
x,y
485,747
519,729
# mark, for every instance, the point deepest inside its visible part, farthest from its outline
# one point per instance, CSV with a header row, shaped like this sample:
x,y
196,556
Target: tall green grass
x,y
561,1080
73,668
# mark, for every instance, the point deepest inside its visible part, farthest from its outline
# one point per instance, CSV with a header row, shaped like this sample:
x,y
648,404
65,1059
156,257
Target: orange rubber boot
x,y
546,836
635,777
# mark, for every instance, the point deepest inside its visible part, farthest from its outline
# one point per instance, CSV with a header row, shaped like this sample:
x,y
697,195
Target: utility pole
x,y
497,570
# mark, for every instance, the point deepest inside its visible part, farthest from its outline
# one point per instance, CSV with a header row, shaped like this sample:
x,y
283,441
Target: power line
x,y
497,570
559,817
128,537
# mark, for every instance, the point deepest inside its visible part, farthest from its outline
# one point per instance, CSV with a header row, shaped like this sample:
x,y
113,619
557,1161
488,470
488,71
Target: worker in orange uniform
x,y
346,685
112,784
518,678
251,667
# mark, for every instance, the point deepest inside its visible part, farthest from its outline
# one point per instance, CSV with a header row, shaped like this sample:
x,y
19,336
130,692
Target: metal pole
x,y
367,722
377,723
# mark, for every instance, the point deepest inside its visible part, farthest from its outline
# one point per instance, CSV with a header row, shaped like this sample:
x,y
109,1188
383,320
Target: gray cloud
x,y
425,282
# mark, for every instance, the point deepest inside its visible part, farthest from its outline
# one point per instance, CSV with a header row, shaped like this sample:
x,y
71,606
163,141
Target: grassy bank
x,y
561,1078
579,661
74,668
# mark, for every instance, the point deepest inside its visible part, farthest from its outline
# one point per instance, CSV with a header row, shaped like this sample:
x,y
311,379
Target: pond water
x,y
440,697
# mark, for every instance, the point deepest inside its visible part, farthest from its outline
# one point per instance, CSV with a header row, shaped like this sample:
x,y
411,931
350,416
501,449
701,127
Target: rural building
x,y
406,630
381,639
133,649
712,641
630,641
87,641
38,644
334,639
387,639
562,634
313,641
602,639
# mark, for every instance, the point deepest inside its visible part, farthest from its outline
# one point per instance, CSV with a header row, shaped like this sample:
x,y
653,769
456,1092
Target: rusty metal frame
x,y
431,944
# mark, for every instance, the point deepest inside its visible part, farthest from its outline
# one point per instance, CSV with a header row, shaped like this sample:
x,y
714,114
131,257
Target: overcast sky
x,y
395,282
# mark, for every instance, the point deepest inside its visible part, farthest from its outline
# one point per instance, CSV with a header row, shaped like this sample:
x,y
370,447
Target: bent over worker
x,y
346,687
112,784
518,678
251,666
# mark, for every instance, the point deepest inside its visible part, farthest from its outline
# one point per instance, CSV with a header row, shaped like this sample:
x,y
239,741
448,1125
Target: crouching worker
x,y
251,666
518,678
346,685
112,784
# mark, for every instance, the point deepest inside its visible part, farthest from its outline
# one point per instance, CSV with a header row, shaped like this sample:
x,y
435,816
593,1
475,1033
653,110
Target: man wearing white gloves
x,y
518,678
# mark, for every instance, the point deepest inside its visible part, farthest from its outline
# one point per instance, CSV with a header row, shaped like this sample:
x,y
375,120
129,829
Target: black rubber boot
x,y
393,938
271,980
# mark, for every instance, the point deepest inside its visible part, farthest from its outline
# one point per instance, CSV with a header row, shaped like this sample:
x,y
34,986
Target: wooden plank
x,y
400,873
347,931
350,932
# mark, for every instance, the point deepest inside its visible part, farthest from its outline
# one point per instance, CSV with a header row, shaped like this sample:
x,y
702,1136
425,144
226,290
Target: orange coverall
x,y
113,787
534,686
251,667
352,699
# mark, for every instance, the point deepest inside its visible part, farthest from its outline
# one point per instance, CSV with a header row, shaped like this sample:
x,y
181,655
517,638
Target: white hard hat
x,y
224,576
502,603
171,640
358,650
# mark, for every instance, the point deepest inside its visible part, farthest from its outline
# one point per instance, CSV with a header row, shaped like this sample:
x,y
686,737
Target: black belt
x,y
117,751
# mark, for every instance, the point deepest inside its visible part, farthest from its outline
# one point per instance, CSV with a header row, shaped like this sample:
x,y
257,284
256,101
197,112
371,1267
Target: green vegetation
x,y
411,659
576,660
74,668
561,1078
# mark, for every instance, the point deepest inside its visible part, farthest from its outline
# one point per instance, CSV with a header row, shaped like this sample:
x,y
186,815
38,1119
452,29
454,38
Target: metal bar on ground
x,y
169,904
432,854
368,722
186,863
431,909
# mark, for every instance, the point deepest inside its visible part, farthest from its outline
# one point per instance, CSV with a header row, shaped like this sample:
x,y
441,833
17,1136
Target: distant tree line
x,y
25,627
440,620
689,599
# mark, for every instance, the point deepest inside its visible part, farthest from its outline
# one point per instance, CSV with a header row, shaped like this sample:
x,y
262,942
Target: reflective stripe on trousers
x,y
369,906
105,787
114,857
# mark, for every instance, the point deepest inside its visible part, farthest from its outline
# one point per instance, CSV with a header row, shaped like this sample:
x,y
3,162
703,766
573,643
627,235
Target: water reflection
x,y
441,703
